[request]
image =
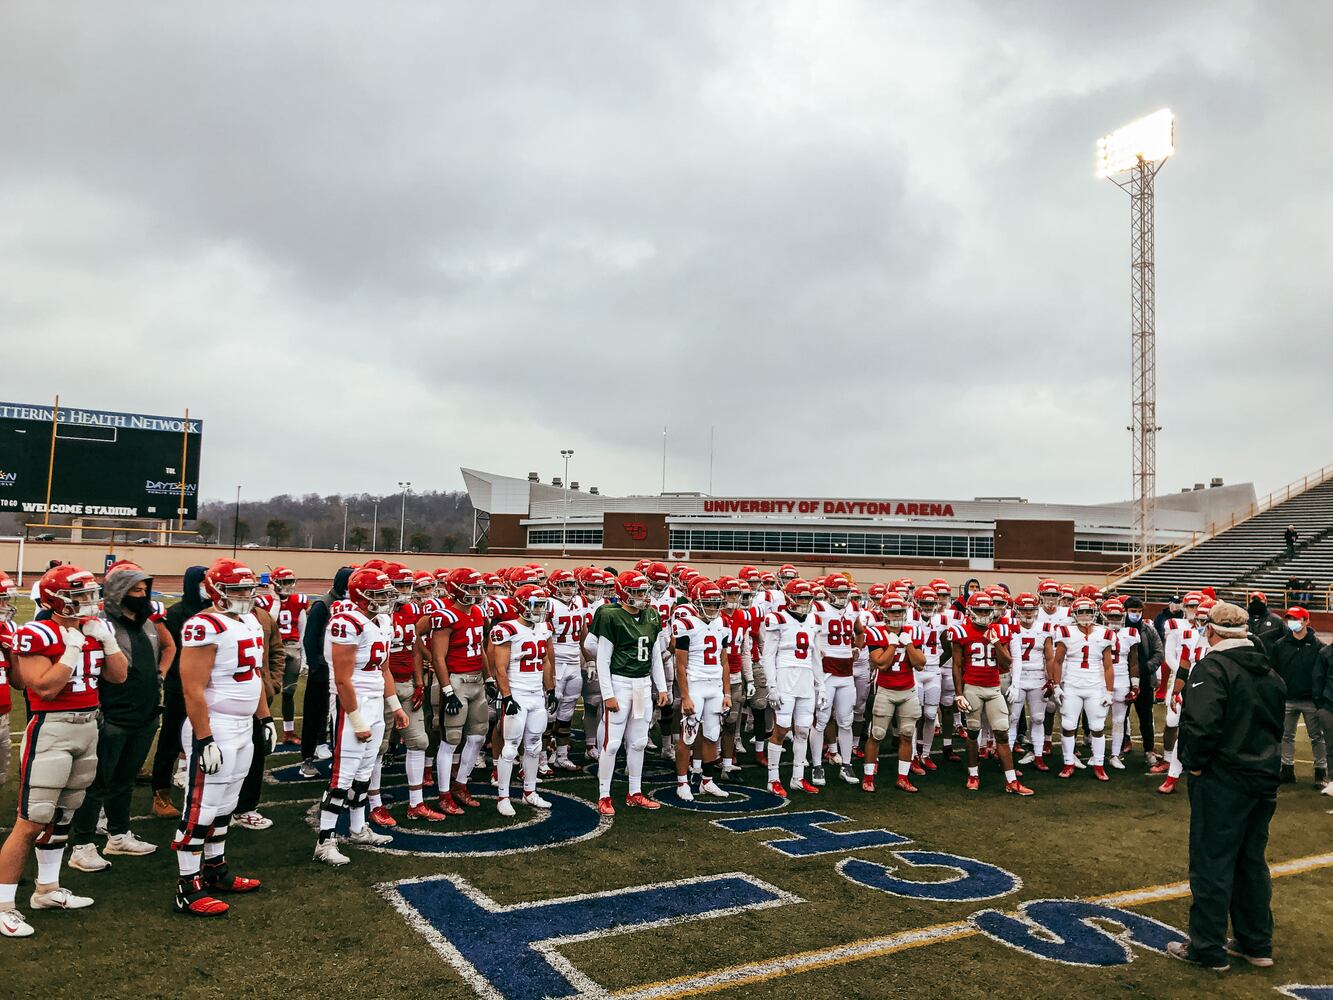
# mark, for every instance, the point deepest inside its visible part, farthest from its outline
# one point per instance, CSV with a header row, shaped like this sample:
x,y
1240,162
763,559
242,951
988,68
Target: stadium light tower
x,y
1130,158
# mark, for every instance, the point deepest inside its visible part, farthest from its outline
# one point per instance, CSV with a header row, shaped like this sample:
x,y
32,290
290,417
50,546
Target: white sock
x,y
416,776
728,763
904,768
356,819
8,891
1098,750
288,727
187,862
972,772
374,793
634,770
504,771
816,739
774,760
1010,776
845,745
1067,746
530,771
48,865
1177,768
870,768
562,751
606,769
1038,736
799,748
467,760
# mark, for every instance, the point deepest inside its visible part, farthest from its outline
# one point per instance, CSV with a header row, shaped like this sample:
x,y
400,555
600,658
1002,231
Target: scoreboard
x,y
107,464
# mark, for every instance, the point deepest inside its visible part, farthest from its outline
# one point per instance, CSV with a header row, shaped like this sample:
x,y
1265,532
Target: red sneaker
x,y
1066,772
289,740
808,788
463,797
424,812
929,764
218,879
776,788
867,782
973,783
379,816
1161,767
1017,787
448,806
193,899
829,754
1039,762
429,780
951,755
606,807
1168,786
641,801
1099,773
916,766
859,753
761,758
983,753
905,784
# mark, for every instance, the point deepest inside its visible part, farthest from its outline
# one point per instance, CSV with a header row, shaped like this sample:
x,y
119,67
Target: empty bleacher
x,y
1252,553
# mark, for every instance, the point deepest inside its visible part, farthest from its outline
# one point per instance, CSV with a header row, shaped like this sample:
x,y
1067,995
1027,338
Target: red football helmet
x,y
373,564
769,580
425,585
1025,607
707,597
676,571
1048,593
442,578
980,608
465,586
632,590
9,592
926,601
1067,593
1201,612
787,572
659,577
751,575
800,595
1084,611
563,584
839,590
283,580
747,594
731,592
1000,598
1192,600
231,586
403,579
642,566
534,603
1113,613
541,573
372,591
894,609
70,592
520,576
875,593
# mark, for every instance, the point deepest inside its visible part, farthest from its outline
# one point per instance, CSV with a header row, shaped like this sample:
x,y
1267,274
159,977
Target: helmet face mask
x,y
839,595
710,607
635,598
1085,615
81,602
928,606
980,609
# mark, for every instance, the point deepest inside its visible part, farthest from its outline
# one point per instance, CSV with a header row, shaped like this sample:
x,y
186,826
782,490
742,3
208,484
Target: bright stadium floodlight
x,y
1130,158
1151,139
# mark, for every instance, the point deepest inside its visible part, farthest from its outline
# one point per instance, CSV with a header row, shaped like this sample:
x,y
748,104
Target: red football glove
x,y
418,696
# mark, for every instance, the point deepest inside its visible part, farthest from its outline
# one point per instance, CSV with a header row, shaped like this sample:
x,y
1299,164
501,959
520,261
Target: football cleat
x,y
928,764
544,771
806,787
565,764
606,807
973,783
218,879
424,812
1161,767
13,925
504,807
684,792
689,732
252,820
1168,786
1039,762
289,740
366,837
59,898
640,801
859,753
761,758
848,775
1117,763
868,783
776,788
1017,787
380,817
535,800
1027,758
593,754
1099,773
193,899
463,797
1078,763
727,770
1066,772
916,767
323,752
951,756
817,776
905,784
428,781
448,805
326,851
307,770
709,787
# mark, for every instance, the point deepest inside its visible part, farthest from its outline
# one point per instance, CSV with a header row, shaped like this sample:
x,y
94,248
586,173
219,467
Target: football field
x,y
1074,891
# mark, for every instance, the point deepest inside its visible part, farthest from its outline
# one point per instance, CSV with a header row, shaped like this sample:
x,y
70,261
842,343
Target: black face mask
x,y
1258,608
140,607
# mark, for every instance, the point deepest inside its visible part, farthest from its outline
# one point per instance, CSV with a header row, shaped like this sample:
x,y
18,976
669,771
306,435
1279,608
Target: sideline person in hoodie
x,y
129,722
1230,739
247,814
193,600
315,706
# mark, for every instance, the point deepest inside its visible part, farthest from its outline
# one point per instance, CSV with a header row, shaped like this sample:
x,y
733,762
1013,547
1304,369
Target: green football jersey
x,y
632,638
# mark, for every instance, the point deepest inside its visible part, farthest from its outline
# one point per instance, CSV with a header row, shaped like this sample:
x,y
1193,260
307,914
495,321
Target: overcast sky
x,y
373,242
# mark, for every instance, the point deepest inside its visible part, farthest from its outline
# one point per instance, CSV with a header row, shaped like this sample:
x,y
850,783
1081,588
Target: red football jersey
x,y
80,692
7,631
979,666
290,610
403,639
899,676
467,634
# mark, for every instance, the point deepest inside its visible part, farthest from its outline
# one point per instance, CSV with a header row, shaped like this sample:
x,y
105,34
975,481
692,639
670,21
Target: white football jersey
x,y
567,627
1082,667
706,643
934,636
837,631
236,683
792,646
590,640
371,639
1173,632
1060,616
1127,637
527,653
1027,646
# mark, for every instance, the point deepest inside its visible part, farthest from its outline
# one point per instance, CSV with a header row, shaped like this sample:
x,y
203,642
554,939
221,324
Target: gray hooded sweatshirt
x,y
133,703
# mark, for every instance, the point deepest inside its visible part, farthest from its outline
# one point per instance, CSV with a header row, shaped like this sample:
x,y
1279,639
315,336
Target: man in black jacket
x,y
1150,662
1294,656
193,600
1230,732
1263,623
315,706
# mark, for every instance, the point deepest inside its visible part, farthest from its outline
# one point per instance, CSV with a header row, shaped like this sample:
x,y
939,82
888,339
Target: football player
x,y
933,638
568,608
1189,647
59,662
663,597
1126,690
867,614
525,673
1029,684
1173,630
791,656
596,586
740,668
631,642
702,640
1083,658
291,615
841,638
357,646
221,671
895,656
1050,611
458,658
978,657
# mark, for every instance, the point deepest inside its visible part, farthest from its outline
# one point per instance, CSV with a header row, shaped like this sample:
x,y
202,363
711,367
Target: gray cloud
x,y
861,240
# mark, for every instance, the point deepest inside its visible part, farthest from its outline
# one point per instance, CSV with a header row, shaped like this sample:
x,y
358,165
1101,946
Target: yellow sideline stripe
x,y
876,947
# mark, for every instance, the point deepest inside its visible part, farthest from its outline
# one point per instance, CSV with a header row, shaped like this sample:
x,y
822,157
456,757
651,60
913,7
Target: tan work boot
x,y
162,804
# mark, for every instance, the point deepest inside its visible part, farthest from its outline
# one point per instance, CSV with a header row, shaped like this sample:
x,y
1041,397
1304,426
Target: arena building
x,y
529,518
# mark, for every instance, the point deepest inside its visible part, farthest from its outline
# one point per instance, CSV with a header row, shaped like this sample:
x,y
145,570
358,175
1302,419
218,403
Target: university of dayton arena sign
x,y
846,508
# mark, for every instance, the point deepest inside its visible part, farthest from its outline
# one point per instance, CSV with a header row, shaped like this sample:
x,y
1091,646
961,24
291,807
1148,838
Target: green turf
x,y
313,931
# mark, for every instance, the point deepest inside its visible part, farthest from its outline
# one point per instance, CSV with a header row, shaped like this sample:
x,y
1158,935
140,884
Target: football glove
x,y
99,629
962,704
552,702
492,690
209,754
1015,695
1107,699
266,734
747,690
1176,701
774,700
418,696
510,706
452,704
1058,696
72,657
1132,696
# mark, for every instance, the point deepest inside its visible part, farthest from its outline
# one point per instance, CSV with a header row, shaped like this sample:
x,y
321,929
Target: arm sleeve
x,y
604,666
312,639
1202,716
768,656
659,671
